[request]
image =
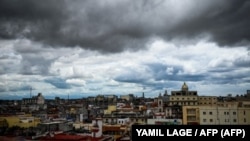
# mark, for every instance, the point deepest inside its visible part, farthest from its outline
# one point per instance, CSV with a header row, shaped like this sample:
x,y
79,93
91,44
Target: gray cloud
x,y
114,26
226,23
58,83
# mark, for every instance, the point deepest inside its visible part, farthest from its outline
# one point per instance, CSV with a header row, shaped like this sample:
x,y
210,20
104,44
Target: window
x,y
211,120
210,113
204,113
204,120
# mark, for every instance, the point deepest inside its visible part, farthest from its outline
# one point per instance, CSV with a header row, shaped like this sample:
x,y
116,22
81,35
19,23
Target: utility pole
x,y
68,97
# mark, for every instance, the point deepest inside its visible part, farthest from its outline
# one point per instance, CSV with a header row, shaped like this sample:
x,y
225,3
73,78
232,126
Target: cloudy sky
x,y
89,47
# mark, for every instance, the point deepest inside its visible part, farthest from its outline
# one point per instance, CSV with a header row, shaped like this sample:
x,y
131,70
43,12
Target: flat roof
x,y
53,122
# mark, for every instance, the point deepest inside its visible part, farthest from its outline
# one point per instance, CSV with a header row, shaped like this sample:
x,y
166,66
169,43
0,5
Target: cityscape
x,y
109,117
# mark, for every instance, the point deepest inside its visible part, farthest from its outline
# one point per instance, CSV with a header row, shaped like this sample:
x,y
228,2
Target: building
x,y
190,115
183,97
22,120
207,100
34,103
216,115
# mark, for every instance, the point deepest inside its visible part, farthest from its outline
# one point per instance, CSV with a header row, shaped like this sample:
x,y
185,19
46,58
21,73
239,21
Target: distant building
x,y
129,97
39,99
34,103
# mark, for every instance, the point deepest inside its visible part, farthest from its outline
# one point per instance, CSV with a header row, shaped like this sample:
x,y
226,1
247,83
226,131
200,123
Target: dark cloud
x,y
17,88
26,17
34,65
131,77
58,83
33,60
228,76
242,62
114,26
226,23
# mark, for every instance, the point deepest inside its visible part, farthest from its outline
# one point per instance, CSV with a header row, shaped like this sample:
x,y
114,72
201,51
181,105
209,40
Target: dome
x,y
184,86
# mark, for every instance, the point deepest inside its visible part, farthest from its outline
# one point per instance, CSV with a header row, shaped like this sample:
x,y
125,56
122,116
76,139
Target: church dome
x,y
184,86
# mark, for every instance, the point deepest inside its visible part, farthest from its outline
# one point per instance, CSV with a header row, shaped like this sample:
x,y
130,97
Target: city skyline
x,y
82,48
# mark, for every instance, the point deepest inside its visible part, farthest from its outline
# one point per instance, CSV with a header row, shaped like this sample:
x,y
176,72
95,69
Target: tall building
x,y
183,97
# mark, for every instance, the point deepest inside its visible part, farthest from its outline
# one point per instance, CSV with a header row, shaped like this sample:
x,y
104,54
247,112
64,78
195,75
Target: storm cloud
x,y
115,26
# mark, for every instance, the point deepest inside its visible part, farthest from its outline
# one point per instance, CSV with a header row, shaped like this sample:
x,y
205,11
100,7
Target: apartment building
x,y
216,115
190,115
207,100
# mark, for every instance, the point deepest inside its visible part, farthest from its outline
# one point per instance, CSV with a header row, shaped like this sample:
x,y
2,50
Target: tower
x,y
184,89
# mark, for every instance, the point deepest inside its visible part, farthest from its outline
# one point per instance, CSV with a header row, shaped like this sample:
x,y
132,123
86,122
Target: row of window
x,y
207,98
225,113
183,103
226,120
173,98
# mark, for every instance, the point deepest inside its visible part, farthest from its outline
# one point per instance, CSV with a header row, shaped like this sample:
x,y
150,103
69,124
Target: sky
x,y
80,48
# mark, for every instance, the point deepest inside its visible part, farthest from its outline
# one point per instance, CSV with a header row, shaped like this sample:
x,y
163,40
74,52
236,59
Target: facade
x,y
39,99
216,115
207,100
128,97
34,103
190,115
183,97
243,115
24,121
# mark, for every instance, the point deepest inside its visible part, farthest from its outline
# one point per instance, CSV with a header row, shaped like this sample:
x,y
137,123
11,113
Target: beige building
x,y
184,97
216,115
129,97
244,115
229,104
24,121
110,109
114,115
207,100
191,115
